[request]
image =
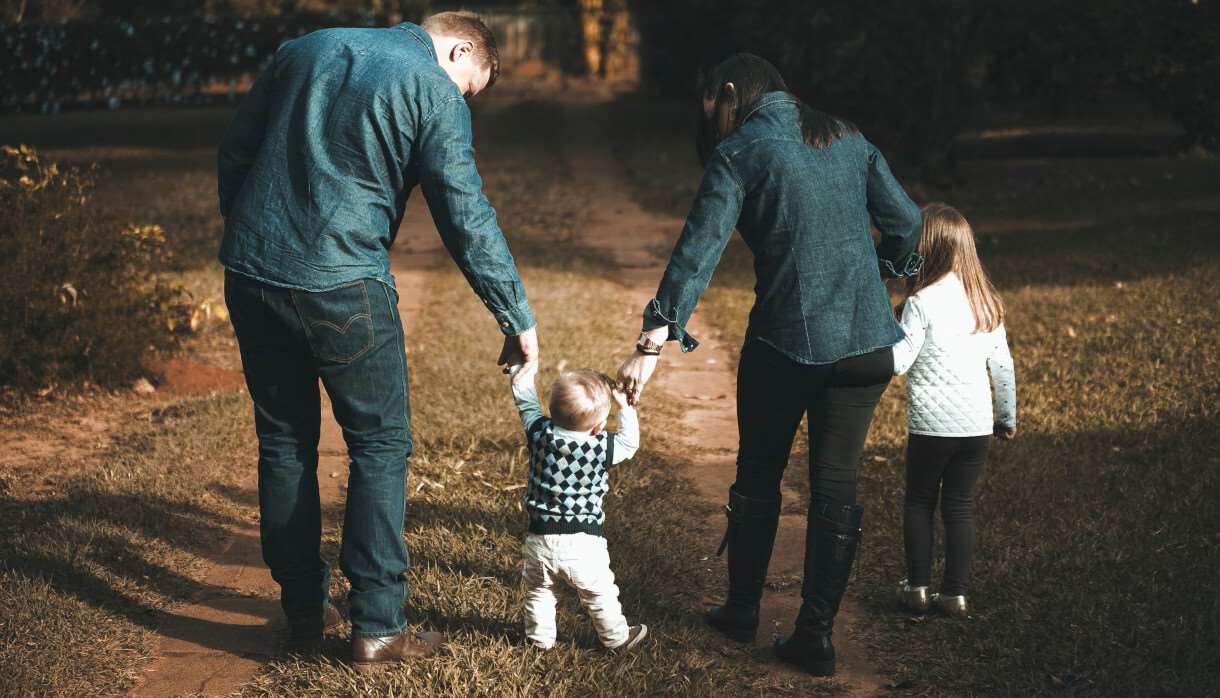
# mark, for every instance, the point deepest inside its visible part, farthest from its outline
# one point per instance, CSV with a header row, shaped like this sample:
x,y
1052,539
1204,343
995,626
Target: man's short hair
x,y
468,27
580,400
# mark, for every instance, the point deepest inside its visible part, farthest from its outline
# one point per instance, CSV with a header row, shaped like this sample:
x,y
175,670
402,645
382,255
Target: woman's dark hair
x,y
752,77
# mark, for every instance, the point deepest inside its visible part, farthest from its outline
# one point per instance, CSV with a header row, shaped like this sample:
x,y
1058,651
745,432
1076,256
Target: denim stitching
x,y
402,359
367,315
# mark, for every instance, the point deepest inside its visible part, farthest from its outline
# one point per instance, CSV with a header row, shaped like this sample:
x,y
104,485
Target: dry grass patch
x,y
89,559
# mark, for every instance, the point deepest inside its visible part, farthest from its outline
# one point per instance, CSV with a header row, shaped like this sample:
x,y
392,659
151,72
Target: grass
x,y
1098,539
143,516
1098,527
90,553
465,519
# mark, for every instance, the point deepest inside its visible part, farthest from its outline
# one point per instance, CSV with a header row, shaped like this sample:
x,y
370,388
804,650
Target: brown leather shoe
x,y
305,634
406,645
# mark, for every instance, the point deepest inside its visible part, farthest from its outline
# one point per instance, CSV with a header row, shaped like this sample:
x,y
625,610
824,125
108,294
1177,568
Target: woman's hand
x,y
634,374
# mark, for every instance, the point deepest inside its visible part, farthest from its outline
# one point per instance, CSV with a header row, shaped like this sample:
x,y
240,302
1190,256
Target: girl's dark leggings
x,y
948,467
774,392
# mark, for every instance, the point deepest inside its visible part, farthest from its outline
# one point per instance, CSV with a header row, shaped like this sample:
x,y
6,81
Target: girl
x,y
954,325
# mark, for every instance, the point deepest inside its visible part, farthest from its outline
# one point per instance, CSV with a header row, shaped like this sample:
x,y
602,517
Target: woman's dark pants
x,y
351,339
773,394
944,467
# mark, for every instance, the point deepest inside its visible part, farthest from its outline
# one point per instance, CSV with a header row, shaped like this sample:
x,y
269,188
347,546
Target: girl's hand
x,y
1004,433
634,374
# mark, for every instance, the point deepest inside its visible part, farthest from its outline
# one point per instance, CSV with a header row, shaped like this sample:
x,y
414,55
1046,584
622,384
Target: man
x,y
314,174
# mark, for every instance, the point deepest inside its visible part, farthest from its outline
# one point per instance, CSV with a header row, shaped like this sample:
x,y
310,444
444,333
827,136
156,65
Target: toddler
x,y
570,453
954,325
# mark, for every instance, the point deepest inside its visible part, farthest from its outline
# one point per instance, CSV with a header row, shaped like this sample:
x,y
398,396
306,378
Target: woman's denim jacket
x,y
804,213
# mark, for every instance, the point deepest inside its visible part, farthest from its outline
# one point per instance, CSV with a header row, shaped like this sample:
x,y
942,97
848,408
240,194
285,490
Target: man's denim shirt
x,y
316,168
805,214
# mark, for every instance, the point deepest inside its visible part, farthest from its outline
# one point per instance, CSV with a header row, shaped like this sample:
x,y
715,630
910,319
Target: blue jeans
x,y
351,339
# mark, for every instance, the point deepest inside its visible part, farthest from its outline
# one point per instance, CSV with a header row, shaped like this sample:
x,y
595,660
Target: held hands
x,y
619,395
1004,433
519,357
634,374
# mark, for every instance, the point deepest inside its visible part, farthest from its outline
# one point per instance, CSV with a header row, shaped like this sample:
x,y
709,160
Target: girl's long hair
x,y
753,77
947,245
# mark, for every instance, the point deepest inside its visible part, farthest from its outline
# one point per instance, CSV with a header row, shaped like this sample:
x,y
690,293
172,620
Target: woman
x,y
801,187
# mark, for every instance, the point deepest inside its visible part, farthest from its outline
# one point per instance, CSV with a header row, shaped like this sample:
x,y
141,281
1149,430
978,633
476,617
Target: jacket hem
x,y
752,337
961,434
387,279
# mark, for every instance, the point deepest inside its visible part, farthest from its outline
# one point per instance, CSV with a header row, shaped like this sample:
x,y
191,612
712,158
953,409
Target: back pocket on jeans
x,y
338,322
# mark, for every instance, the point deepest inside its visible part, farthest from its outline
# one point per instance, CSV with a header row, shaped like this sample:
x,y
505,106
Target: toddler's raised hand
x,y
619,395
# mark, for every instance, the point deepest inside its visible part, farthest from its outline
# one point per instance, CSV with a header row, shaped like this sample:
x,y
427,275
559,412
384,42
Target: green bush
x,y
80,299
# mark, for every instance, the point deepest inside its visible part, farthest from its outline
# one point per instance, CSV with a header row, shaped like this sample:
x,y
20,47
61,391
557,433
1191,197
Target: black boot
x,y
831,539
749,538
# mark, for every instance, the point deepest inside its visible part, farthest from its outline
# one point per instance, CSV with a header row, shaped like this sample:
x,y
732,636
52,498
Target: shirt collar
x,y
769,100
570,435
417,32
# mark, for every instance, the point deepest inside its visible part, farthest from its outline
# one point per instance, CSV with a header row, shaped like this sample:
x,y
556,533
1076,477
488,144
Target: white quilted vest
x,y
946,361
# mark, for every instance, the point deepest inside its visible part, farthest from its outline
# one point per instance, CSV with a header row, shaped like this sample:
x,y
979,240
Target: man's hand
x,y
520,350
635,373
1004,433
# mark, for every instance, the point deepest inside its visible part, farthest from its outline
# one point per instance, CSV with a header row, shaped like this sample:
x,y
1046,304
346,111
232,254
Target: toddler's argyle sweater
x,y
568,470
567,480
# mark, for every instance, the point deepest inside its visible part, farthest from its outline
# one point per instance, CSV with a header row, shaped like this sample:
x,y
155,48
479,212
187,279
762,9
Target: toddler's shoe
x,y
953,606
913,599
635,635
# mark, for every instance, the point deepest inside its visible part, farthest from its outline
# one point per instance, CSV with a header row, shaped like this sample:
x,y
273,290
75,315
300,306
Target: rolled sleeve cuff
x,y
515,320
654,318
913,264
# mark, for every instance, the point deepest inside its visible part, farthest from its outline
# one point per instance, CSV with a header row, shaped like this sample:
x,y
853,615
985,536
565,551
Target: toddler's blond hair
x,y
580,400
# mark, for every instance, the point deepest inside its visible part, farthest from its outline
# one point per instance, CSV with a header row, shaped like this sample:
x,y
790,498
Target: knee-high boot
x,y
831,540
749,538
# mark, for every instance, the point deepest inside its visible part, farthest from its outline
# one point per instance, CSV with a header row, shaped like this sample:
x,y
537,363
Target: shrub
x,y
80,299
113,61
906,73
916,74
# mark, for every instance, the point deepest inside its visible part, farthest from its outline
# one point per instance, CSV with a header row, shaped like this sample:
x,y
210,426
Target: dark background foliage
x,y
80,296
914,75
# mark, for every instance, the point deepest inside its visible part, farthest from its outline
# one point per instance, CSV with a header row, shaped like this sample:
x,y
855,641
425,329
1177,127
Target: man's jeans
x,y
351,338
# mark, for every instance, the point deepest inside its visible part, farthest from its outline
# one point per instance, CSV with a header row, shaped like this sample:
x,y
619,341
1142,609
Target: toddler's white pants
x,y
581,561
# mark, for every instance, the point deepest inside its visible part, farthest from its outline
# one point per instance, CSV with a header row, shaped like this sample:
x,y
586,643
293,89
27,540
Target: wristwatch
x,y
645,345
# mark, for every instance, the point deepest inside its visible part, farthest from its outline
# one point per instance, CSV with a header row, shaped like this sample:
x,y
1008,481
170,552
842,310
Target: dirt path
x,y
704,383
218,641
